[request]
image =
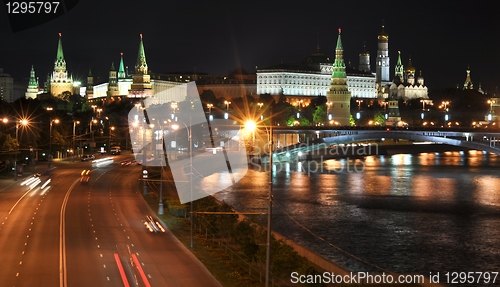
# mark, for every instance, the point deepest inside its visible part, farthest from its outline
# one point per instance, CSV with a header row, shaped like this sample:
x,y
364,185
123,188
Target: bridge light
x,y
446,117
386,116
211,117
288,154
422,116
489,117
298,115
226,116
388,129
358,115
299,153
329,117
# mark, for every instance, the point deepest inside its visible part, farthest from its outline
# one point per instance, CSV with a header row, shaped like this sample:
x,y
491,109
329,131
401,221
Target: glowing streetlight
x,y
359,104
209,106
250,125
74,148
50,141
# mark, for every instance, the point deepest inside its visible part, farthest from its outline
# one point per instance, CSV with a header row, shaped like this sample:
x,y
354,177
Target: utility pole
x,y
270,206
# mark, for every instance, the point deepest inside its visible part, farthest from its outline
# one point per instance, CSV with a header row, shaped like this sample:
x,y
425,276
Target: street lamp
x,y
23,122
359,104
50,141
92,136
209,106
109,139
176,127
74,147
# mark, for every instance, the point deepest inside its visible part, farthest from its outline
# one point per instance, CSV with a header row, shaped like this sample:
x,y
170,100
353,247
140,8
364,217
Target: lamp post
x,y
329,104
226,116
270,206
92,136
50,141
359,104
74,139
491,102
109,139
209,106
175,127
24,122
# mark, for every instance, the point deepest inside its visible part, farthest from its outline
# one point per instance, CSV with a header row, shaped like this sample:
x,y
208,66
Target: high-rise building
x,y
383,77
339,96
60,82
6,87
32,90
141,81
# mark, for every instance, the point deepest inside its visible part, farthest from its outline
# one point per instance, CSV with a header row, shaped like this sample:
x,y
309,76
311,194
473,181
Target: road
x,y
72,234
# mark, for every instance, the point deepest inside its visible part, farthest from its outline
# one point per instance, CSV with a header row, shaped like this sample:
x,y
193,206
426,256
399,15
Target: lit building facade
x,y
404,86
6,87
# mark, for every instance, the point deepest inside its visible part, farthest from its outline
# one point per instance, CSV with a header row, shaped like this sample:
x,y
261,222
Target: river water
x,y
430,212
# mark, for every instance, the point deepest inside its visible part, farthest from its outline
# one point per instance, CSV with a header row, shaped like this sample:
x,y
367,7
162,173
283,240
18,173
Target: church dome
x,y
410,68
383,34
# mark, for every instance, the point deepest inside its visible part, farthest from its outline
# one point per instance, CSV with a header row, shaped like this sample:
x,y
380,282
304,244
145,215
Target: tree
x,y
8,143
351,120
320,115
379,118
304,121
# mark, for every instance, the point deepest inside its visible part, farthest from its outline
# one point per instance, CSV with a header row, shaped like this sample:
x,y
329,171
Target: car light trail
x,y
144,278
102,161
122,272
45,184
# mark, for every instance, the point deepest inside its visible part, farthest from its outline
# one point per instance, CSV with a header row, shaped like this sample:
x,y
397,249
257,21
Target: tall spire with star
x,y
141,80
339,97
60,82
121,70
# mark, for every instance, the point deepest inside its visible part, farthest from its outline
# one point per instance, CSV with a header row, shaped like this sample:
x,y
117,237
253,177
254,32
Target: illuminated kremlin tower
x,y
383,59
89,92
112,84
32,91
339,95
399,71
59,81
468,82
141,84
121,71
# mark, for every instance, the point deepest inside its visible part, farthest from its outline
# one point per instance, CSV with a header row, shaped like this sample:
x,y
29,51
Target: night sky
x,y
442,37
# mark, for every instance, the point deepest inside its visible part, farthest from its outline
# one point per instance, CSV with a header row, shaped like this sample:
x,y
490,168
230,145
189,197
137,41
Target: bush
x,y
175,207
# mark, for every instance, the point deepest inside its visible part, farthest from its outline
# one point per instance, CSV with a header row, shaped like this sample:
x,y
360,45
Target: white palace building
x,y
312,77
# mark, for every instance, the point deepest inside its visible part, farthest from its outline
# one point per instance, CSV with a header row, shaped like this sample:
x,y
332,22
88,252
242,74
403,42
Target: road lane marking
x,y
63,280
18,202
139,267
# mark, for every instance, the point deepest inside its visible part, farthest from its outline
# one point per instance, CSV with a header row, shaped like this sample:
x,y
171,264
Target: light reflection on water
x,y
420,213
